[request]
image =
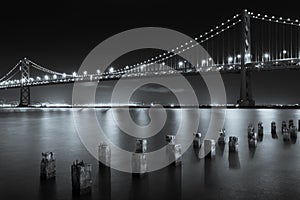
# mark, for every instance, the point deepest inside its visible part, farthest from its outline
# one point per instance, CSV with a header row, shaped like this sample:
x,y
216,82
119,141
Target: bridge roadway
x,y
283,64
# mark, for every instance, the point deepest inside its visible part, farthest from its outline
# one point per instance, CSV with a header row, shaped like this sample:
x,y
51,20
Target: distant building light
x,y
266,55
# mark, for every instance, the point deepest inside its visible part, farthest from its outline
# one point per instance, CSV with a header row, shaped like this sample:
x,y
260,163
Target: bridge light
x,y
46,77
238,56
98,71
111,70
74,74
284,52
230,59
38,78
64,75
163,63
54,76
84,73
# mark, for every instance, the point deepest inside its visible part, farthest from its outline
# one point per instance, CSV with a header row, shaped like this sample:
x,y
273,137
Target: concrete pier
x,y
48,168
104,154
81,178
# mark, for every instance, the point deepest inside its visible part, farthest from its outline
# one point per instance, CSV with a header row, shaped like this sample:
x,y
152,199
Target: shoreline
x,y
166,106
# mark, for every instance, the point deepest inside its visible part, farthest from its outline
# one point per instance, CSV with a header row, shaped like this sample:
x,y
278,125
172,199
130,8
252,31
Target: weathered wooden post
x,y
174,153
291,123
252,140
233,144
139,159
197,140
140,145
250,130
210,148
293,132
170,139
273,128
139,164
283,126
81,178
104,154
260,129
48,168
221,139
286,134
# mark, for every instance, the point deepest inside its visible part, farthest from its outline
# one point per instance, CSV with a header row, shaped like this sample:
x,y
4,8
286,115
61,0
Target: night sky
x,y
59,35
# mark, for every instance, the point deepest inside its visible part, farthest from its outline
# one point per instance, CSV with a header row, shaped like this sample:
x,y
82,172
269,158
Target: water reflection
x,y
251,151
24,135
293,140
274,135
173,185
104,175
139,187
47,189
220,149
234,160
260,138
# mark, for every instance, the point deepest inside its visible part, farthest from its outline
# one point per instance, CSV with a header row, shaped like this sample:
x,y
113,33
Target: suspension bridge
x,y
244,43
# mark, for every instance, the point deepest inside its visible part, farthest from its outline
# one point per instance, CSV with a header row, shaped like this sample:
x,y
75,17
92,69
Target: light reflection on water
x,y
272,170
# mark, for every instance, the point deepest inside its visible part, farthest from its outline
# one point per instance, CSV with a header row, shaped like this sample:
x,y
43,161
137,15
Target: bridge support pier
x,y
25,90
24,97
246,91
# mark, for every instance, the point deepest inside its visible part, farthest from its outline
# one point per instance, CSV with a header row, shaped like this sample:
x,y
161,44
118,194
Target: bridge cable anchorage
x,y
181,48
8,73
38,67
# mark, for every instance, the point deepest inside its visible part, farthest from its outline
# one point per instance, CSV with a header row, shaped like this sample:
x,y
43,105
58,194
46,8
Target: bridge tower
x,y
25,90
245,89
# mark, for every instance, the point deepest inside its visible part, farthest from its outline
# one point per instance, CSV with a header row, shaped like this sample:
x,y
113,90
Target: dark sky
x,y
60,34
